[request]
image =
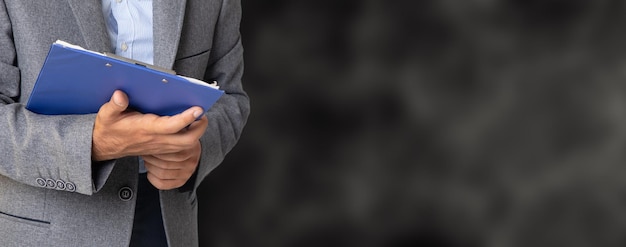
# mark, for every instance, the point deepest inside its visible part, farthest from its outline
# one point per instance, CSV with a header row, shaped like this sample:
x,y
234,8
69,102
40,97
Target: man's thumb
x,y
120,100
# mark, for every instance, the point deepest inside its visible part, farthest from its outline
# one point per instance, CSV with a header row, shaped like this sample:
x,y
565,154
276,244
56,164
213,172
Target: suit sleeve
x,y
37,148
229,115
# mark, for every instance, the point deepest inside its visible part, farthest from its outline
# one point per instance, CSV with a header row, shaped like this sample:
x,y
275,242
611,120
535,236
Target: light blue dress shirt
x,y
129,23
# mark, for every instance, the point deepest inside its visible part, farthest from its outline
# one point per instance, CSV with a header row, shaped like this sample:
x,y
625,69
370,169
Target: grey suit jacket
x,y
51,193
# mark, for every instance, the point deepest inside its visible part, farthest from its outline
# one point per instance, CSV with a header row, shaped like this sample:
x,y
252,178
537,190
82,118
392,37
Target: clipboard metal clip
x,y
132,61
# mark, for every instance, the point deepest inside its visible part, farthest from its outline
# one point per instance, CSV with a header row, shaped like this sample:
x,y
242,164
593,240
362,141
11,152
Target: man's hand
x,y
170,171
118,133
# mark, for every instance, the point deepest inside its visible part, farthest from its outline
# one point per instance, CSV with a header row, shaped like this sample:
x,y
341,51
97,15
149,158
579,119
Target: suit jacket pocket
x,y
193,65
22,204
23,220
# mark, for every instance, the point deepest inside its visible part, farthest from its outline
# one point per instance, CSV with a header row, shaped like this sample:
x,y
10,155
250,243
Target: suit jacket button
x,y
125,194
60,185
69,186
41,182
51,183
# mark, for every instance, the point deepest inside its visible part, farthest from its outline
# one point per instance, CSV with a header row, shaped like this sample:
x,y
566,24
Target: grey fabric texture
x,y
51,193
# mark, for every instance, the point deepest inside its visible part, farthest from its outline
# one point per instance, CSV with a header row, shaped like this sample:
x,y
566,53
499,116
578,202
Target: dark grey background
x,y
427,123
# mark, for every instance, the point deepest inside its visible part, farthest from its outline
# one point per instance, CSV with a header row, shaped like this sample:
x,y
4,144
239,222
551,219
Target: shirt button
x,y
124,46
119,1
125,194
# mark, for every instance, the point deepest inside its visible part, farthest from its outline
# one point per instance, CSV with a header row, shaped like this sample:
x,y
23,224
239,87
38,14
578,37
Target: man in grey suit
x,y
76,180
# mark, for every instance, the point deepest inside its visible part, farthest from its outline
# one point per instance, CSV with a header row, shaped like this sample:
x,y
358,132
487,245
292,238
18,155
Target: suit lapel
x,y
91,23
168,17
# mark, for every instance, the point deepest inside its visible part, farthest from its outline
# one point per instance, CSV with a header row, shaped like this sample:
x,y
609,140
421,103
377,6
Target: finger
x,y
117,104
188,138
174,124
174,157
168,174
194,131
162,167
165,184
152,162
200,123
164,178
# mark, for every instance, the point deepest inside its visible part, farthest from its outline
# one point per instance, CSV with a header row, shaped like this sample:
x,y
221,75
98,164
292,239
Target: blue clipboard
x,y
78,81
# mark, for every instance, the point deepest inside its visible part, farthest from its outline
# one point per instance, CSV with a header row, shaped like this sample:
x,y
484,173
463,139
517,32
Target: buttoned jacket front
x,y
51,193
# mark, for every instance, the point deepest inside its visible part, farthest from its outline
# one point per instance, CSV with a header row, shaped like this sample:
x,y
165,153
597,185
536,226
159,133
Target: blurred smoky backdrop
x,y
427,123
